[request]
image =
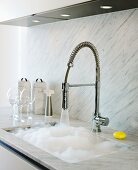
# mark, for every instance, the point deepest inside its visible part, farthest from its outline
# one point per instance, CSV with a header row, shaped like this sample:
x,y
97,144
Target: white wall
x,y
9,58
10,9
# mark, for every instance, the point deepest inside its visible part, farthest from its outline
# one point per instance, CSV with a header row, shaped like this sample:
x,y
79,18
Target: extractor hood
x,y
89,8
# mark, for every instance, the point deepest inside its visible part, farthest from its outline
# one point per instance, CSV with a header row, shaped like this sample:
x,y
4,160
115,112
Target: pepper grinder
x,y
48,107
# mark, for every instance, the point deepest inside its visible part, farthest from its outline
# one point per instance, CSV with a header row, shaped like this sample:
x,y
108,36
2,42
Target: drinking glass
x,y
12,95
26,101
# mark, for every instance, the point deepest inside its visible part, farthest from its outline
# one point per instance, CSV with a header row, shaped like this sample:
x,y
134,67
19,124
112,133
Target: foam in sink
x,y
70,144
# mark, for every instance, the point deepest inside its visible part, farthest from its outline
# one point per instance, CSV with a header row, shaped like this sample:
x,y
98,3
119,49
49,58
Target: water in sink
x,y
70,144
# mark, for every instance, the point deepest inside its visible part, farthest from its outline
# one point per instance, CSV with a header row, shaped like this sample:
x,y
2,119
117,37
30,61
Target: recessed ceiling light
x,y
65,15
36,21
106,7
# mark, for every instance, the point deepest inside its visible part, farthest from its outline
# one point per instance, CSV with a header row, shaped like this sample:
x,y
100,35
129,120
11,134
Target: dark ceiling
x,y
75,11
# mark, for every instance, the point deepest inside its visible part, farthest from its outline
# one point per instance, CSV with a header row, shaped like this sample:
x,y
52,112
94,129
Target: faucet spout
x,y
98,120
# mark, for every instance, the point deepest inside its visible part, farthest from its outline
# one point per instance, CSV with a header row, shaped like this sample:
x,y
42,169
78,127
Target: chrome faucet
x,y
97,119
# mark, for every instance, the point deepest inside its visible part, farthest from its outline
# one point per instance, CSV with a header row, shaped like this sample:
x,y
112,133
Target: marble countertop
x,y
124,160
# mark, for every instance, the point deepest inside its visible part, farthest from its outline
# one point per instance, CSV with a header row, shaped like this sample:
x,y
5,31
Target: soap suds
x,y
70,144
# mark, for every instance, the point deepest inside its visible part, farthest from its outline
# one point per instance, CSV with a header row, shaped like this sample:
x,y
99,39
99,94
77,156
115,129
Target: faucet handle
x,y
104,121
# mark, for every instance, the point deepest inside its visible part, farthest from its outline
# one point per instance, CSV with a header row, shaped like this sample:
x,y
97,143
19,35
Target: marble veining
x,y
46,50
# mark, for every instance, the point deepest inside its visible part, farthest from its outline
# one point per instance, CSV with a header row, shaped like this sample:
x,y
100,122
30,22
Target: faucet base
x,y
98,121
98,129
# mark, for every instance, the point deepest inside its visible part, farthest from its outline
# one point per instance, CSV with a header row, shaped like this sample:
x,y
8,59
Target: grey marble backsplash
x,y
46,50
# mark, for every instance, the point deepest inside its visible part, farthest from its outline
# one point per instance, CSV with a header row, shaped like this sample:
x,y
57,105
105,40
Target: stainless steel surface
x,y
75,11
48,110
28,21
65,95
81,85
97,119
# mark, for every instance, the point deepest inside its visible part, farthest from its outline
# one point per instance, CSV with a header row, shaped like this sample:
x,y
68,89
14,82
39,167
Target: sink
x,y
70,144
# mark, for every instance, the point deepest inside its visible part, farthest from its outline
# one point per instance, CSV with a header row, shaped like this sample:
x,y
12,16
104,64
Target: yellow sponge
x,y
119,135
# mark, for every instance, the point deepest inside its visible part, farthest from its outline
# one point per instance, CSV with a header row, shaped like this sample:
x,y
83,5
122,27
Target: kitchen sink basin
x,y
70,144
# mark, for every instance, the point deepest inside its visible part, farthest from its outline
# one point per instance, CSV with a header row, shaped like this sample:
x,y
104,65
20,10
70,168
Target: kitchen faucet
x,y
97,119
